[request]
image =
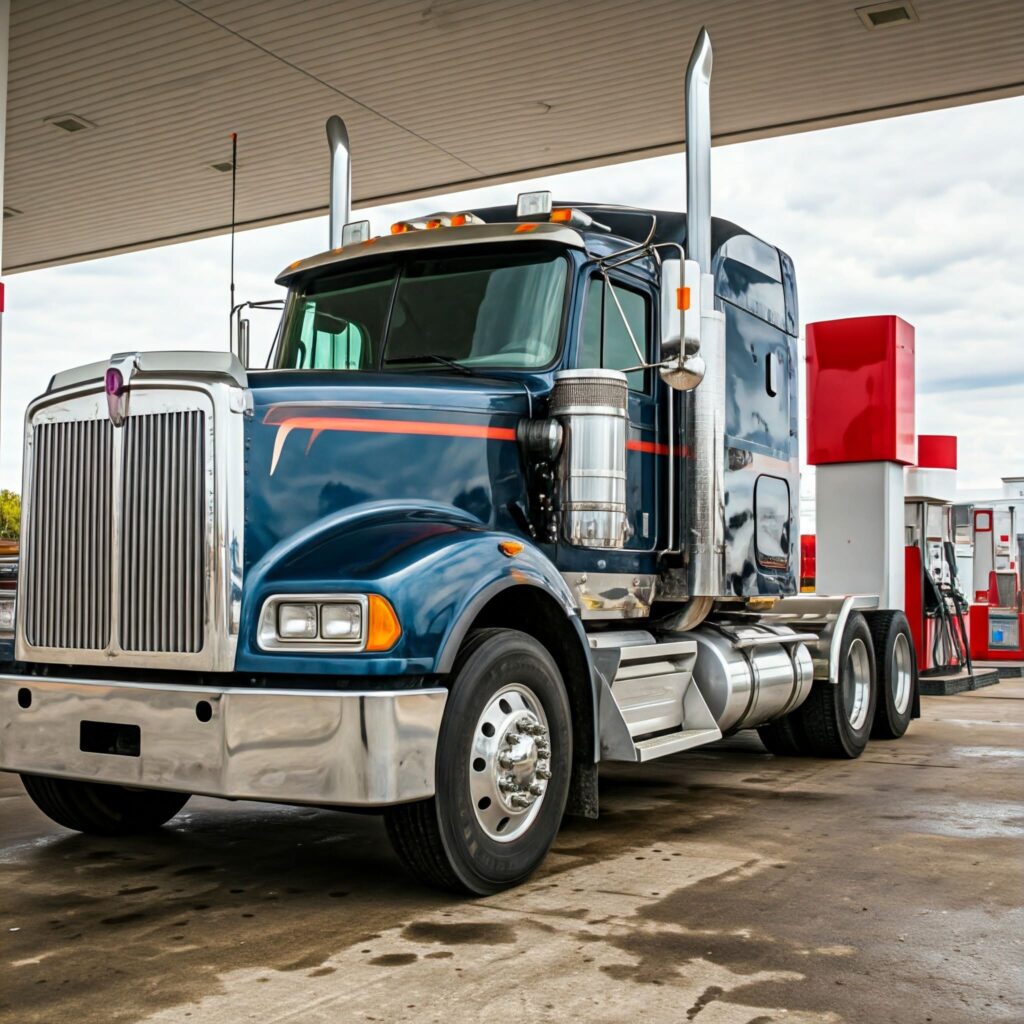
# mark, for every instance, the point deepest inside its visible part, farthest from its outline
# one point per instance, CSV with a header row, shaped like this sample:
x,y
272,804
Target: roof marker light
x,y
533,204
525,227
355,231
576,219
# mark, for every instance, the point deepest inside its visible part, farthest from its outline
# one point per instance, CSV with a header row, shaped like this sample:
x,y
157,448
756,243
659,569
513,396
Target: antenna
x,y
234,180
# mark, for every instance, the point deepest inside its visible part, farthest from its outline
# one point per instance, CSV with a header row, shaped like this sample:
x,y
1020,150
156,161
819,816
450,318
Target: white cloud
x,y
922,216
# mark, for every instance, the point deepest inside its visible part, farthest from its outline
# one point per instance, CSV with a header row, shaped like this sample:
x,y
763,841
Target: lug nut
x,y
512,738
543,752
519,801
543,774
536,789
507,785
505,761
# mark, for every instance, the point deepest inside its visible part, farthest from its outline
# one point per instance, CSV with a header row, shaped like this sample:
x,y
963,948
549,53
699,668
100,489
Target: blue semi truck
x,y
516,494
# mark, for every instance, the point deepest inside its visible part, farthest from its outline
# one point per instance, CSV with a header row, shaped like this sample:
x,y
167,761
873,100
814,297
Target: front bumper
x,y
366,749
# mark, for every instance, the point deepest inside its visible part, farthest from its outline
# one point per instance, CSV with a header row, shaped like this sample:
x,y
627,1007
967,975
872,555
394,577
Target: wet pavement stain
x,y
459,934
394,959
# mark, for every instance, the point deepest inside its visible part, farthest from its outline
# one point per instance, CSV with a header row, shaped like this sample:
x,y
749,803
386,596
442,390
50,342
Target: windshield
x,y
476,310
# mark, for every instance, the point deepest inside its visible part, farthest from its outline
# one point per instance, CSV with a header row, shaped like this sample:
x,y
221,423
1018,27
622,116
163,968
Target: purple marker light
x,y
114,381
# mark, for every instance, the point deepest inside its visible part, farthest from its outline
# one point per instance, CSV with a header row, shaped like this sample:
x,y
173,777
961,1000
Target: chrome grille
x,y
67,571
163,525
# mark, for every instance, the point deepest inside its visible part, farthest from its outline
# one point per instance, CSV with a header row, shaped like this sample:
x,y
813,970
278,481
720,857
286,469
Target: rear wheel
x,y
897,673
783,737
837,718
504,758
102,810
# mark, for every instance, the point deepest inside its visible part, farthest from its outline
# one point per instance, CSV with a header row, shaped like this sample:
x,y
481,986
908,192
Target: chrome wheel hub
x,y
857,684
509,763
900,675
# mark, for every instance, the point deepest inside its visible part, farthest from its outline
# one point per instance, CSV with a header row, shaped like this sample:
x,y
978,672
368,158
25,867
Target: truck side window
x,y
605,342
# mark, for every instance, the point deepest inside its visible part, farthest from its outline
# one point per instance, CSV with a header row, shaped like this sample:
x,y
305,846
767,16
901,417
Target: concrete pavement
x,y
723,886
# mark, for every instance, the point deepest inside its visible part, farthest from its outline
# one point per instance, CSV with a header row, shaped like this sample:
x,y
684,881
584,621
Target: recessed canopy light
x,y
895,12
69,122
224,167
10,211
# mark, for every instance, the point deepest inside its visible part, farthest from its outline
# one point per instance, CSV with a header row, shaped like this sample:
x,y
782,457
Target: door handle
x,y
771,374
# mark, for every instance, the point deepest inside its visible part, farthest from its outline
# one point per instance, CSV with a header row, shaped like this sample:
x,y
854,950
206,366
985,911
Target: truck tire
x,y
504,759
837,719
896,663
783,737
102,810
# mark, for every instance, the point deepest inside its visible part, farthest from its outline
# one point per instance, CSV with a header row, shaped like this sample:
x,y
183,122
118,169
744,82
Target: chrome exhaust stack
x,y
341,178
700,367
705,408
698,153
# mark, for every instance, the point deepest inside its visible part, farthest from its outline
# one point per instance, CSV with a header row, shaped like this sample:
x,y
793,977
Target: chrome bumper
x,y
364,749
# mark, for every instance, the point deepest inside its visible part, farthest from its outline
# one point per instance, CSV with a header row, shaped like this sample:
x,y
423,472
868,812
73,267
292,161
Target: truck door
x,y
605,343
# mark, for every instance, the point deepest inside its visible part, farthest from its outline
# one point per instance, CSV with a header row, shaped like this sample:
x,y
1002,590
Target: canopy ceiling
x,y
437,94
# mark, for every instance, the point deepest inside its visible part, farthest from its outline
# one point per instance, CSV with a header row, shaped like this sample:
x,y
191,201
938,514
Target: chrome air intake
x,y
591,407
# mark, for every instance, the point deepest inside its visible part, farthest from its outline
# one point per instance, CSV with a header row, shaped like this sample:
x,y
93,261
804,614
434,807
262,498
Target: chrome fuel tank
x,y
751,674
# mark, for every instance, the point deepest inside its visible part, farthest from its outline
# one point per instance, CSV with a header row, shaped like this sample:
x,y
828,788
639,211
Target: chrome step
x,y
650,705
672,743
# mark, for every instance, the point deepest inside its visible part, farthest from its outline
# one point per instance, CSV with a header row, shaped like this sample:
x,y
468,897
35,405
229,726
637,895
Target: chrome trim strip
x,y
339,748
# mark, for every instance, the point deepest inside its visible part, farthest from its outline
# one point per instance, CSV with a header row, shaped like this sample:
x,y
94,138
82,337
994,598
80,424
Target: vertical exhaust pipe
x,y
705,405
341,178
698,153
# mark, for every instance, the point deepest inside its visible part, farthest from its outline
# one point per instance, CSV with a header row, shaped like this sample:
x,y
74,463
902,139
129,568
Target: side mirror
x,y
682,365
671,321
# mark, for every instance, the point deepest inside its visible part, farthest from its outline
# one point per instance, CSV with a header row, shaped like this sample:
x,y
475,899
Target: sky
x,y
921,216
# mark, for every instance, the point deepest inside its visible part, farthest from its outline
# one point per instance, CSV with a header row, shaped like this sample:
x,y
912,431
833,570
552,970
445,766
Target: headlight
x,y
297,621
8,604
328,623
341,621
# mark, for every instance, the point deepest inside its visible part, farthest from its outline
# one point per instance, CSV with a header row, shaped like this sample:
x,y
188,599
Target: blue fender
x,y
437,565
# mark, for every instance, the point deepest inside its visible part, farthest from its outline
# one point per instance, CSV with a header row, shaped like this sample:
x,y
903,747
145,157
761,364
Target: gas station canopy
x,y
120,111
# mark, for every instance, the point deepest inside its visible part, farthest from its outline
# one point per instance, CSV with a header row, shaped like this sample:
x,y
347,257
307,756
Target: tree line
x,y
10,515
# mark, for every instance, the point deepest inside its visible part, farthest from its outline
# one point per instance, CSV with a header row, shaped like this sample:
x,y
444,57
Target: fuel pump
x,y
996,603
935,601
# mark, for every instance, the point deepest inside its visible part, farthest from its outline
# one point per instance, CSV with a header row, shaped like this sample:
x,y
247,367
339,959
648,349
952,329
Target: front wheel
x,y
100,809
504,758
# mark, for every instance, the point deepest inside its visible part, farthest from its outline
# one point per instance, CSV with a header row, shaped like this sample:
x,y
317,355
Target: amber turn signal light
x,y
384,629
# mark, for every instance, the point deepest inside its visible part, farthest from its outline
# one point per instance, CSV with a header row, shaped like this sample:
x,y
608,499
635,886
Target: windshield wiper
x,y
443,360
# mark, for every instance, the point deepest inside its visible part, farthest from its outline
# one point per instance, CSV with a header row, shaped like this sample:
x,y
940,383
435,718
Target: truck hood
x,y
319,443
